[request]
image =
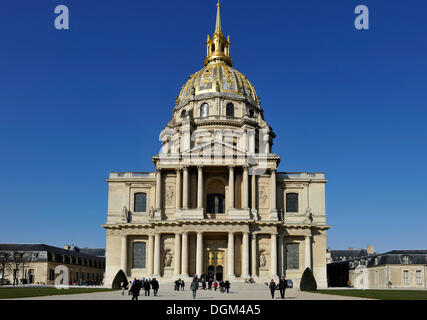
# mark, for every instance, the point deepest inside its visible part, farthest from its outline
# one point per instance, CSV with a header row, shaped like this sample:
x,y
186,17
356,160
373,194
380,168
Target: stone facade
x,y
216,204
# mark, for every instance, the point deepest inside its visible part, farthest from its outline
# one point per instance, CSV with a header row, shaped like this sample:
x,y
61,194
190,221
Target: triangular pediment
x,y
215,147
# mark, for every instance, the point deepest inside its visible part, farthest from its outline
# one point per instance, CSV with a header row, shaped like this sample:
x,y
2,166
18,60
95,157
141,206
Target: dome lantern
x,y
218,47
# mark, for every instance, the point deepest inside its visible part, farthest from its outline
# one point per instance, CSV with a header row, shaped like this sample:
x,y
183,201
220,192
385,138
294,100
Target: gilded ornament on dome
x,y
228,76
207,76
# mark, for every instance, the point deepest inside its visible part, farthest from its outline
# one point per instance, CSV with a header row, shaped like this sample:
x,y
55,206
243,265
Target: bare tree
x,y
5,259
17,260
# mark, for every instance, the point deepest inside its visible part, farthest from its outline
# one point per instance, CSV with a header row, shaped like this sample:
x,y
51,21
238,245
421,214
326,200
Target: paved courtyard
x,y
239,291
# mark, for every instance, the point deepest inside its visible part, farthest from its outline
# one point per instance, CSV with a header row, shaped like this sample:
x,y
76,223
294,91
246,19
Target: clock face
x,y
204,110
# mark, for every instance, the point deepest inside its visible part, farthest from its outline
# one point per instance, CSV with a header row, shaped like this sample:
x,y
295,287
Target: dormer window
x,y
204,110
405,259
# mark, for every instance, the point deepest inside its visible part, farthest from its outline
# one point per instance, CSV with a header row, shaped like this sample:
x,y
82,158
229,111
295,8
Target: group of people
x,y
179,285
282,285
224,286
136,286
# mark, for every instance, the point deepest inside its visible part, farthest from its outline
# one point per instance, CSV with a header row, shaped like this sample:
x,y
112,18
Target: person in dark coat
x,y
227,286
272,287
210,284
203,284
182,285
147,287
135,289
282,287
155,286
194,286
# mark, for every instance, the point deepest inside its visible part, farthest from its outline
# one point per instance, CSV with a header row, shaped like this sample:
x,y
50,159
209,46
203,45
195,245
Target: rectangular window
x,y
406,277
292,256
292,202
418,277
140,202
139,253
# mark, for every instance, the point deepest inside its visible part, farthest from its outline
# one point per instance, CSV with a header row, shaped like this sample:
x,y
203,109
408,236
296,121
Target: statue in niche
x,y
262,260
151,213
168,259
127,215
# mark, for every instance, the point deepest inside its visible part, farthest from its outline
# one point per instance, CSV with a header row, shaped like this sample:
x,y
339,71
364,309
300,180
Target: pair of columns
x,y
185,188
245,198
182,269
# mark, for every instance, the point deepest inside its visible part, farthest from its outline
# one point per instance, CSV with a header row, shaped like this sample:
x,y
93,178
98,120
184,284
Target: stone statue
x,y
308,216
127,214
151,213
168,259
193,91
262,260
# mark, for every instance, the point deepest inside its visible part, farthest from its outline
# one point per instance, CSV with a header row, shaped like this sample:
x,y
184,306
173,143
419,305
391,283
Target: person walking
x,y
182,285
272,288
282,287
194,287
215,285
155,286
135,289
222,286
123,286
147,287
210,284
227,286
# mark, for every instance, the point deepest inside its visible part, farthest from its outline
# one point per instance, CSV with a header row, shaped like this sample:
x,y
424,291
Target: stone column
x,y
199,254
158,189
178,189
273,254
253,187
157,238
199,187
307,256
245,255
273,190
177,255
123,254
280,255
184,256
150,254
185,189
231,188
254,256
245,204
230,247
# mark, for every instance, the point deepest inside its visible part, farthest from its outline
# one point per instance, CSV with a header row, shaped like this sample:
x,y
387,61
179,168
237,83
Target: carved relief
x,y
263,197
169,195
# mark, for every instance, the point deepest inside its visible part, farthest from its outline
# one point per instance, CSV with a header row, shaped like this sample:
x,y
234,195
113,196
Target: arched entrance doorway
x,y
215,265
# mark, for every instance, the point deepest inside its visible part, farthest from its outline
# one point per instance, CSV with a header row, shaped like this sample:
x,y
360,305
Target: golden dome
x,y
218,78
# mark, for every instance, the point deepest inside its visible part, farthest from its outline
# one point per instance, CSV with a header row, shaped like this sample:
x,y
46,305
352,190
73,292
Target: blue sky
x,y
74,106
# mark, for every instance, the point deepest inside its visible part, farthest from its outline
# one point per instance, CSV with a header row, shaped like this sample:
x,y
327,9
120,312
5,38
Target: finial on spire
x,y
218,18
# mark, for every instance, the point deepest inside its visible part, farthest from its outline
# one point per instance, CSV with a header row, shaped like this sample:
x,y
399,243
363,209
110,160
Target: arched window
x,y
204,110
230,110
251,113
183,114
292,202
140,203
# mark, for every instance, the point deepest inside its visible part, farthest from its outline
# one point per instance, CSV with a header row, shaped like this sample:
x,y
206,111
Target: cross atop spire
x,y
218,47
218,19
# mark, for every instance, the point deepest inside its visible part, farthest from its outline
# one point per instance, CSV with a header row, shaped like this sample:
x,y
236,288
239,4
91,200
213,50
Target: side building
x,y
36,263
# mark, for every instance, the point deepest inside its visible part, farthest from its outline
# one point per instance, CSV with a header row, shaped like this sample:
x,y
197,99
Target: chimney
x,y
351,248
370,250
67,247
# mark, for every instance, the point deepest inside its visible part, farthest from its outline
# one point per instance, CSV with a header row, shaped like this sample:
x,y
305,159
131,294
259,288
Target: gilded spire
x,y
218,47
218,18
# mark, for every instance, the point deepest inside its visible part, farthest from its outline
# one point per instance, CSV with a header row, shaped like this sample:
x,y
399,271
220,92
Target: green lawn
x,y
7,293
380,294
